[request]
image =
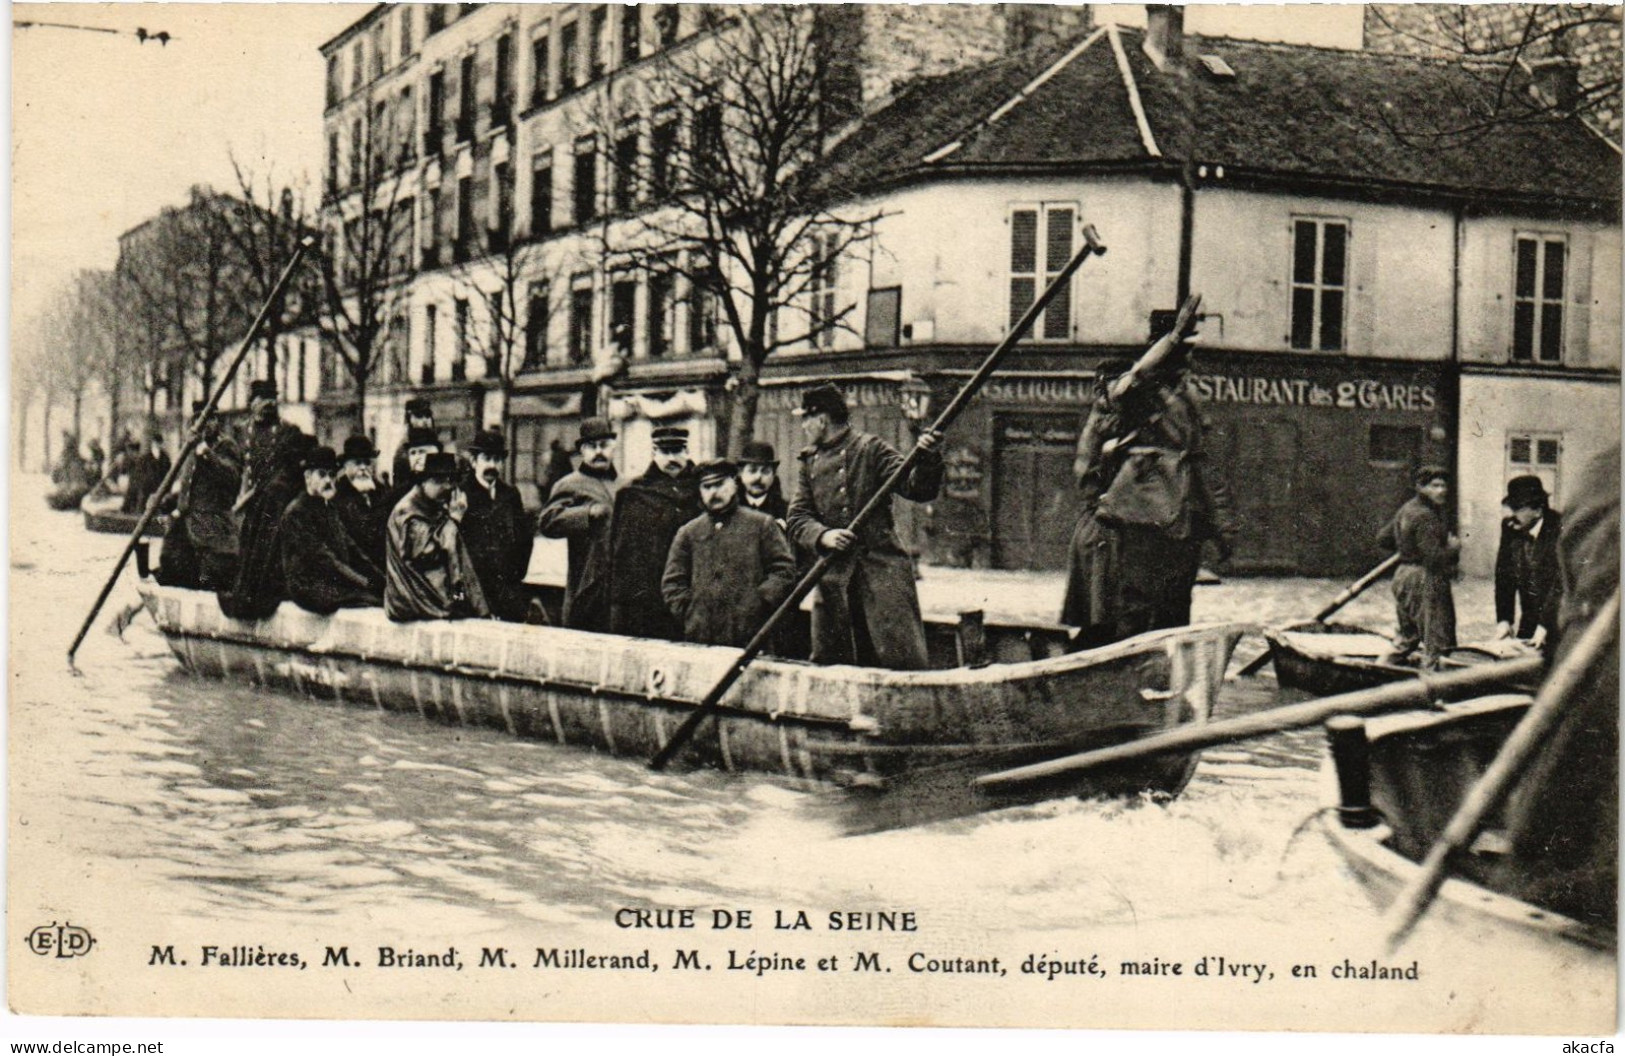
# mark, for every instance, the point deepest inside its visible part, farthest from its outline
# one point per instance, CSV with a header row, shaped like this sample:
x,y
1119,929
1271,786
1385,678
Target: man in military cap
x,y
361,504
323,569
496,530
1428,552
647,514
728,568
867,610
419,415
1528,587
759,478
429,575
578,509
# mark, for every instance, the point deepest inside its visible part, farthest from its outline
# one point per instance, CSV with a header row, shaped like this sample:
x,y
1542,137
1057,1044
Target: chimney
x,y
1555,82
1164,33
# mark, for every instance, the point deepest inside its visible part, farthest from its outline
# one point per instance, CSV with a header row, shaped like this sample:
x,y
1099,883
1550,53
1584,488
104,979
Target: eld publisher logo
x,y
64,940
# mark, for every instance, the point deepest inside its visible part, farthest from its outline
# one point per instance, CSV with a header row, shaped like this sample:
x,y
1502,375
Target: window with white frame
x,y
1319,282
1041,239
1540,274
1539,455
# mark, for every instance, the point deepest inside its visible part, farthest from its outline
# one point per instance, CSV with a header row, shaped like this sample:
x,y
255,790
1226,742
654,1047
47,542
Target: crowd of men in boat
x,y
685,552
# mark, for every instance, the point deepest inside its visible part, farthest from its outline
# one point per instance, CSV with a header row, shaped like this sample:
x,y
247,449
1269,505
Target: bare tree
x,y
1506,52
78,340
725,192
265,239
367,260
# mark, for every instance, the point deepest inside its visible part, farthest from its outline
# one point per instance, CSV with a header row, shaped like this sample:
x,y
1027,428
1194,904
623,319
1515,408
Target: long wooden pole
x,y
1351,592
194,432
1491,790
1091,246
1410,692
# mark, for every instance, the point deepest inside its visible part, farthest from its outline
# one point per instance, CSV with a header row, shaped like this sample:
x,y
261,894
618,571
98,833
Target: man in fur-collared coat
x,y
867,609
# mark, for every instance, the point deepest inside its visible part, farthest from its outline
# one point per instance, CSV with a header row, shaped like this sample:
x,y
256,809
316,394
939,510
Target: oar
x,y
1491,790
1410,692
1353,591
193,433
1091,246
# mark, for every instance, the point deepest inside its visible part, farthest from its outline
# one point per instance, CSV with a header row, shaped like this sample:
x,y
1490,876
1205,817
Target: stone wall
x,y
1588,33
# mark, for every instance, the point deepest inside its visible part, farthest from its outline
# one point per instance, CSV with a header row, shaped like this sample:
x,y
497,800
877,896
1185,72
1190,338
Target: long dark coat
x,y
867,610
725,575
568,515
499,537
365,515
429,575
200,550
1528,585
258,587
648,513
322,568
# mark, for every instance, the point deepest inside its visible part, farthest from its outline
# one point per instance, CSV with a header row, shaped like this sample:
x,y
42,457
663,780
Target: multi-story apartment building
x,y
1370,302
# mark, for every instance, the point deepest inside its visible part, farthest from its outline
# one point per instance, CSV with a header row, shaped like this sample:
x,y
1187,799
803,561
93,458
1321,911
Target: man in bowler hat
x,y
322,567
578,509
867,609
1528,582
359,499
759,481
496,530
419,415
648,512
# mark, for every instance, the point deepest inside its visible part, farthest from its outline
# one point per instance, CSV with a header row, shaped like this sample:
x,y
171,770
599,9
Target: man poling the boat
x,y
648,513
578,509
867,610
429,575
322,568
729,567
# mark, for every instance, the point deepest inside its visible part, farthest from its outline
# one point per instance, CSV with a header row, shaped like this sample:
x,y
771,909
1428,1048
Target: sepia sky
x,y
106,131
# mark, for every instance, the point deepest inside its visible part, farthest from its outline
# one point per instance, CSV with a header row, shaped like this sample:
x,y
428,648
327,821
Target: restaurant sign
x,y
1354,394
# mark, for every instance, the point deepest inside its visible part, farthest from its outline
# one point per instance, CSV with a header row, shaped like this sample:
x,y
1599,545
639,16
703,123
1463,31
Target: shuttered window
x,y
1041,243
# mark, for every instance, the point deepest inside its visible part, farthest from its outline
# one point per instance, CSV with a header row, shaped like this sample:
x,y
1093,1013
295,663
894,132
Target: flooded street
x,y
199,808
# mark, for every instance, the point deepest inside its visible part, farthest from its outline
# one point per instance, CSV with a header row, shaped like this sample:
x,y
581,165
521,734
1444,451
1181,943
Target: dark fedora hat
x,y
716,467
419,407
823,399
758,453
262,389
420,436
489,442
670,436
320,458
441,464
595,429
357,448
1430,473
1526,492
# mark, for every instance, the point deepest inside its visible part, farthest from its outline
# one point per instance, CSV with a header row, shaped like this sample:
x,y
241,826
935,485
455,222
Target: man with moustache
x,y
759,480
419,416
419,444
322,567
578,509
429,575
268,439
360,502
496,530
867,609
648,512
728,568
1528,584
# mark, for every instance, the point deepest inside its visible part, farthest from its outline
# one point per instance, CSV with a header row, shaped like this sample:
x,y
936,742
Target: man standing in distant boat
x,y
1527,580
728,568
648,512
429,575
323,569
578,509
867,609
496,529
1428,551
359,500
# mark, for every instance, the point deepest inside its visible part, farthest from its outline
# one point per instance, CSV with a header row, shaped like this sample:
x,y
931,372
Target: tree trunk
x,y
22,436
742,419
361,403
78,405
46,468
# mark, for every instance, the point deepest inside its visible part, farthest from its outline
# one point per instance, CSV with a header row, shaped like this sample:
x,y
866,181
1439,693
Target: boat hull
x,y
627,695
1302,664
103,510
1421,767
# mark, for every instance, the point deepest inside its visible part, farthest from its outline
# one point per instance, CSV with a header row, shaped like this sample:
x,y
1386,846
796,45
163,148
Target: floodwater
x,y
205,800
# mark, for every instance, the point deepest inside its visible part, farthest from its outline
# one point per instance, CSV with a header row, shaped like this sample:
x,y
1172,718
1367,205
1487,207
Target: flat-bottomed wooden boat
x,y
1325,659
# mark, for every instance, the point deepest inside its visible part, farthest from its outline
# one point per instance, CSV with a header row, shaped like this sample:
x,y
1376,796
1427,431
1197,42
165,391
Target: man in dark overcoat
x,y
578,509
147,472
496,529
259,587
1528,586
728,568
323,569
203,537
867,609
269,438
359,500
648,512
429,575
760,489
